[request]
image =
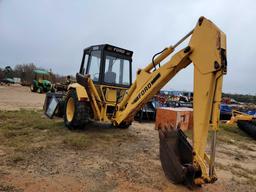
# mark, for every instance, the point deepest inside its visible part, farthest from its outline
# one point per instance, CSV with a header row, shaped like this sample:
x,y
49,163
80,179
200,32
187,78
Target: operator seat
x,y
110,77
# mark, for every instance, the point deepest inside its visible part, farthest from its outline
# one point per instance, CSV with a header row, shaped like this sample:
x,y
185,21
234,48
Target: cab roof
x,y
110,48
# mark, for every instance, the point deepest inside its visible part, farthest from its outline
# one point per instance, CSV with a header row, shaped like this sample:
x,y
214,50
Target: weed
x,y
9,188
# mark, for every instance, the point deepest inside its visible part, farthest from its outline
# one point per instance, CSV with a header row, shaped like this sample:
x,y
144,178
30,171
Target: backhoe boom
x,y
207,51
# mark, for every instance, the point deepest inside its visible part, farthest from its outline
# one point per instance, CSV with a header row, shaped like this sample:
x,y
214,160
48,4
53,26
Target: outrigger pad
x,y
176,156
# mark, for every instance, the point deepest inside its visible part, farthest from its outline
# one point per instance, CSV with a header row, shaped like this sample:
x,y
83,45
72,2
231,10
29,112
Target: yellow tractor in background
x,y
104,92
244,121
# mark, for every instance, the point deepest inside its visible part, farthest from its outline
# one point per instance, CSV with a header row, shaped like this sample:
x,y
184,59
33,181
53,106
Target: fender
x,y
80,91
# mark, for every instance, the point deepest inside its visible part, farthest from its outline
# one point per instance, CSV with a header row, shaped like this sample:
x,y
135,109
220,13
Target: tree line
x,y
241,98
25,73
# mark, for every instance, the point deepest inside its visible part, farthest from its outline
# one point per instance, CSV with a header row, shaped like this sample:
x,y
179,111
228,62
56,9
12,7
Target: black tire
x,y
249,127
40,90
81,112
32,87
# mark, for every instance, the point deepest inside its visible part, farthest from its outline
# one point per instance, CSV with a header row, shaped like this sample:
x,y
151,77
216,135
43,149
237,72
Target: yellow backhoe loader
x,y
244,121
104,92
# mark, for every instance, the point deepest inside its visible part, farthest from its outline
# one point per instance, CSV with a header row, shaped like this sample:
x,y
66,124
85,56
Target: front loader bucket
x,y
176,157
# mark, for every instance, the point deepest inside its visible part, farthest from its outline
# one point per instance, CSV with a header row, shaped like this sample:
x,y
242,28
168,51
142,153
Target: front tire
x,y
40,90
32,87
76,113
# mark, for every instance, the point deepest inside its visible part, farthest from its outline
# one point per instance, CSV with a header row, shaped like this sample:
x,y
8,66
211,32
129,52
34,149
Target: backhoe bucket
x,y
176,156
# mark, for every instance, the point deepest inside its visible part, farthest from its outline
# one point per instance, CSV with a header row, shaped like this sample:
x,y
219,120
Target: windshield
x,y
117,71
42,77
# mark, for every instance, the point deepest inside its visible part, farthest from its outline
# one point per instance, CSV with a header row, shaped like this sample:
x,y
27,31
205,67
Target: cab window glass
x,y
86,58
94,65
117,71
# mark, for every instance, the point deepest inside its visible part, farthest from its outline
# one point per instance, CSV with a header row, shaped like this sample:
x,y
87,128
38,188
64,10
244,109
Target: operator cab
x,y
108,65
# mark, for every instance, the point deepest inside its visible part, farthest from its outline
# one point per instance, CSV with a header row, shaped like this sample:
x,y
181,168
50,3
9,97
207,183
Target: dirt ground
x,y
14,97
38,154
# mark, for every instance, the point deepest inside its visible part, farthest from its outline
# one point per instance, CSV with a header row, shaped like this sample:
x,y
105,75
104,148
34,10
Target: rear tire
x,y
76,113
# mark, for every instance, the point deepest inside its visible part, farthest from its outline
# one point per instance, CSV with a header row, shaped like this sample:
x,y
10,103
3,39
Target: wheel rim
x,y
70,109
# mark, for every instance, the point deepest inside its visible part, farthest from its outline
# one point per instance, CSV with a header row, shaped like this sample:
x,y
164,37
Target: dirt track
x,y
38,154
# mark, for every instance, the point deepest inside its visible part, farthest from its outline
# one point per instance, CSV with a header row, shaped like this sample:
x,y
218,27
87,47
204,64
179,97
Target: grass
x,y
27,135
19,129
231,134
229,130
27,132
234,132
24,130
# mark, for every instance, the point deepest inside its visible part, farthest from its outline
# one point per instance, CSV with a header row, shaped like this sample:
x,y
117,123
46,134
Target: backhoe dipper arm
x,y
207,51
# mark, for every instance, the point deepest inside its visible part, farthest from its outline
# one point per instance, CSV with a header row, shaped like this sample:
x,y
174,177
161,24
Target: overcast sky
x,y
53,33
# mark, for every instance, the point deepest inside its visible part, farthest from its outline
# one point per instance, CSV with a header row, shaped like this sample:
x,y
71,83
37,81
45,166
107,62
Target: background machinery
x,y
244,121
104,92
41,81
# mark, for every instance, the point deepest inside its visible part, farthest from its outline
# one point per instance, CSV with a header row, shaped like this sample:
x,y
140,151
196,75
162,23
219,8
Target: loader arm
x,y
207,51
239,116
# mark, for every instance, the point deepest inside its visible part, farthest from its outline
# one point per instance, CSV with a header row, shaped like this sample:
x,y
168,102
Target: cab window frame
x,y
89,65
119,56
85,64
